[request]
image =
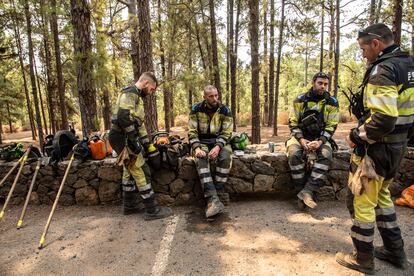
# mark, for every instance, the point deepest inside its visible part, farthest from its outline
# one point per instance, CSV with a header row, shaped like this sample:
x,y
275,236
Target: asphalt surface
x,y
253,237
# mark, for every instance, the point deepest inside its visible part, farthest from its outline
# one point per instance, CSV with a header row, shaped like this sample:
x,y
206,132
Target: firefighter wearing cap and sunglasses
x,y
128,137
382,135
312,124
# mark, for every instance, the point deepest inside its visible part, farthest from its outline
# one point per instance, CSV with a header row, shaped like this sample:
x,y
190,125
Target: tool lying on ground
x,y
43,238
22,160
20,222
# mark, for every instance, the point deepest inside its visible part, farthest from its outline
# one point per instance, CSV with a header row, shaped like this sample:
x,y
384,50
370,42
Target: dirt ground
x,y
254,237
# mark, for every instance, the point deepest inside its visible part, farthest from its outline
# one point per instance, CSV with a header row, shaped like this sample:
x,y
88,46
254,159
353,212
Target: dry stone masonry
x,y
98,182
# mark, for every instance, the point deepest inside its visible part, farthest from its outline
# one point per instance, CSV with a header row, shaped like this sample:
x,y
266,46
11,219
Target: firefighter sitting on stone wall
x,y
209,130
128,132
312,123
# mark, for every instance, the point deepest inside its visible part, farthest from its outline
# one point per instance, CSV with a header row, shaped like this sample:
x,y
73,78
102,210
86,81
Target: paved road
x,y
256,237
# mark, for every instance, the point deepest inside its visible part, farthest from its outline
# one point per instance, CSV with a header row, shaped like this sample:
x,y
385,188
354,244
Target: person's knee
x,y
224,158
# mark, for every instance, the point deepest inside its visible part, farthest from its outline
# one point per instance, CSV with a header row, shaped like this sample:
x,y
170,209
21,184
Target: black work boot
x,y
157,212
131,203
396,256
153,211
214,206
307,198
362,262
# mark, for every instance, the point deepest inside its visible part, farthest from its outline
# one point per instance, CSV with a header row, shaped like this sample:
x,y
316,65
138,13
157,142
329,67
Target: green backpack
x,y
239,141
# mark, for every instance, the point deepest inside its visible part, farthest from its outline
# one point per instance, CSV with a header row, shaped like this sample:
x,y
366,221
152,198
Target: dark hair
x,y
321,75
378,31
149,76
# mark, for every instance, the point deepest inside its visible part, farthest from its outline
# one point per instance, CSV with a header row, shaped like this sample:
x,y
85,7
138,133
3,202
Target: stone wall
x,y
98,182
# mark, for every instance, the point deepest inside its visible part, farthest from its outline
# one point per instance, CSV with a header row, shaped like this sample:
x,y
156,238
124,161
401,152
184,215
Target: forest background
x,y
64,62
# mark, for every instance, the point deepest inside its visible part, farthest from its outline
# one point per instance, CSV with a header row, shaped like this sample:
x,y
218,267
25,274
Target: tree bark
x,y
229,13
81,22
145,53
372,12
165,91
233,67
207,43
412,27
265,73
271,63
1,132
40,97
190,66
397,20
337,50
9,117
32,73
254,46
216,67
279,58
331,40
26,90
48,69
378,11
60,80
133,21
322,36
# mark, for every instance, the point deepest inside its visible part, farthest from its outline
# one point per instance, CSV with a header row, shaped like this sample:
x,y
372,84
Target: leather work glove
x,y
364,173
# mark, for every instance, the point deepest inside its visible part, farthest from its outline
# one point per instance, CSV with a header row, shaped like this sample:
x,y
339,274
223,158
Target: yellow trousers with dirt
x,y
374,205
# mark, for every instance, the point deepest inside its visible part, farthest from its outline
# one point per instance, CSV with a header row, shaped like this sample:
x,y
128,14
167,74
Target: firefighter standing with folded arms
x,y
382,134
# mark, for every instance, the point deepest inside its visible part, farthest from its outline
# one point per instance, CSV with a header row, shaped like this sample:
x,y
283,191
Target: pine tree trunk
x,y
306,65
216,67
103,76
378,11
145,53
271,64
254,46
26,90
40,96
279,58
32,73
9,117
1,132
397,20
48,68
81,22
322,36
412,27
233,67
337,50
207,43
133,21
190,66
371,19
265,73
331,40
165,92
229,14
61,82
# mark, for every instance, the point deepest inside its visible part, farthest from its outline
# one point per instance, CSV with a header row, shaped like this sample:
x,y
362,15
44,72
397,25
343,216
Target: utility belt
x,y
394,138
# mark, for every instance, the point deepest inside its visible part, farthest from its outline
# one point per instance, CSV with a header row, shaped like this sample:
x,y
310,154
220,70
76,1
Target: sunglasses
x,y
362,33
321,75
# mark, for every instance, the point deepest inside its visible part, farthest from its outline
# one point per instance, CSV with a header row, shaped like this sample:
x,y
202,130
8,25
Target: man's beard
x,y
145,91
